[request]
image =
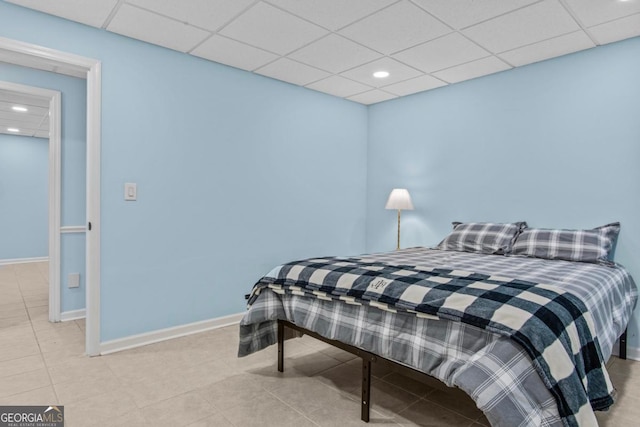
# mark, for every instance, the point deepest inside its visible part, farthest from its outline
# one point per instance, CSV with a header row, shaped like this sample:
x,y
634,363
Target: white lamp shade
x,y
399,199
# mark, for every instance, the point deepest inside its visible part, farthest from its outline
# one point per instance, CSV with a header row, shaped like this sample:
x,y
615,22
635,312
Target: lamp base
x,y
398,246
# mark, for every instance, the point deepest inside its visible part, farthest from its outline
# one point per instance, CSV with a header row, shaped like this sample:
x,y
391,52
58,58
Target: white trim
x,y
23,260
55,205
94,103
139,340
65,316
73,229
42,57
633,353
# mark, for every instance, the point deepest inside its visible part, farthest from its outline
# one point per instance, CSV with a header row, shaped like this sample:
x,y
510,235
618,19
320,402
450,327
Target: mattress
x,y
495,371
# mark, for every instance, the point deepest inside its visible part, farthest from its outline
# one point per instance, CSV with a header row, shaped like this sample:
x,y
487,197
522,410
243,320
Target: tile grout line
x,y
44,362
292,407
46,368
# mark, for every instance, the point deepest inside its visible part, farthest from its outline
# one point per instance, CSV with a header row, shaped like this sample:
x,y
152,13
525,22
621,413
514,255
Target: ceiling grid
x,y
333,46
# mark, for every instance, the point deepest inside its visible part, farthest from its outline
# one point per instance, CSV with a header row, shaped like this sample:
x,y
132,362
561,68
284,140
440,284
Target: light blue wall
x,y
236,172
23,197
74,105
555,143
73,159
72,260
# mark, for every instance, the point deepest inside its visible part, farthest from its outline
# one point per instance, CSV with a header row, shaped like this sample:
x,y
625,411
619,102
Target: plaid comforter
x,y
544,319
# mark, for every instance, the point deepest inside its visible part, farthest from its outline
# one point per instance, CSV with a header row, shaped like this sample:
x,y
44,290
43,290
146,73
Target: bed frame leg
x,y
366,389
280,346
623,345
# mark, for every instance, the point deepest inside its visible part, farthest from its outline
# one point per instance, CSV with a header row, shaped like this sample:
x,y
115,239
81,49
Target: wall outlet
x,y
73,280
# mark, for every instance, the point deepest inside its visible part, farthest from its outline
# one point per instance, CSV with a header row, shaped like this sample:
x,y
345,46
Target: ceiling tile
x,y
332,14
462,13
6,112
414,85
335,54
594,12
292,72
5,122
551,48
207,14
24,122
269,28
42,134
8,98
397,72
619,29
25,127
445,52
4,129
415,40
532,24
231,52
90,12
147,26
339,86
29,122
34,114
471,70
372,97
395,28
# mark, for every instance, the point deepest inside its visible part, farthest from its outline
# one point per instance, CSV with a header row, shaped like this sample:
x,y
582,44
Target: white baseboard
x,y
159,335
139,340
72,315
23,260
633,353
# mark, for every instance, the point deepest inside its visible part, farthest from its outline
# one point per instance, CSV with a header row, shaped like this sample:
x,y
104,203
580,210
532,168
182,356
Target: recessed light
x,y
381,74
13,130
19,108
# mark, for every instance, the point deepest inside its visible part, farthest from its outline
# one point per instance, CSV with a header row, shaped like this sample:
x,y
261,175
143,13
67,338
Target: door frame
x,y
44,58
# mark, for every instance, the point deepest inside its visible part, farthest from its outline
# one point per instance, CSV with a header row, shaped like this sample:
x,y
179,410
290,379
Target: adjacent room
x,y
437,202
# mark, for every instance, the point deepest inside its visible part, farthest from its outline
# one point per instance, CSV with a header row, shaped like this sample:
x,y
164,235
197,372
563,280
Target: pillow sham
x,y
593,246
482,237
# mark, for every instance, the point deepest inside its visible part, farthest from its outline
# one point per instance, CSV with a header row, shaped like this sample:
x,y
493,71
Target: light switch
x,y
130,191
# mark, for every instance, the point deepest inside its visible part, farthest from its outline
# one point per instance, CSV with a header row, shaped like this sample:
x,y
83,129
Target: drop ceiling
x,y
32,122
334,46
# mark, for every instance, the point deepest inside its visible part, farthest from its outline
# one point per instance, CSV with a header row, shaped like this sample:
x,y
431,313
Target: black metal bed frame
x,y
368,358
622,354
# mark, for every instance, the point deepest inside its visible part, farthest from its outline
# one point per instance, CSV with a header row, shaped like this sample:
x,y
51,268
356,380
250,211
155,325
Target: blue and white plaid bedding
x,y
492,370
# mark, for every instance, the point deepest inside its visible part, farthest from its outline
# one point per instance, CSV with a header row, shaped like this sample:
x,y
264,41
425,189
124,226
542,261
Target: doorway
x,y
31,98
33,56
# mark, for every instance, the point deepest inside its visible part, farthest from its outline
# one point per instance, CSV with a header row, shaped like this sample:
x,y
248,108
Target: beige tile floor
x,y
199,381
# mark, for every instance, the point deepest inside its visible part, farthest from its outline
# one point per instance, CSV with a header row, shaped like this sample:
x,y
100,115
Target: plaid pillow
x,y
482,237
594,246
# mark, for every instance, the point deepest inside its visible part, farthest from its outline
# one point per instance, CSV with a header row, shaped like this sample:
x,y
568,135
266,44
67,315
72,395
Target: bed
x,y
512,382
